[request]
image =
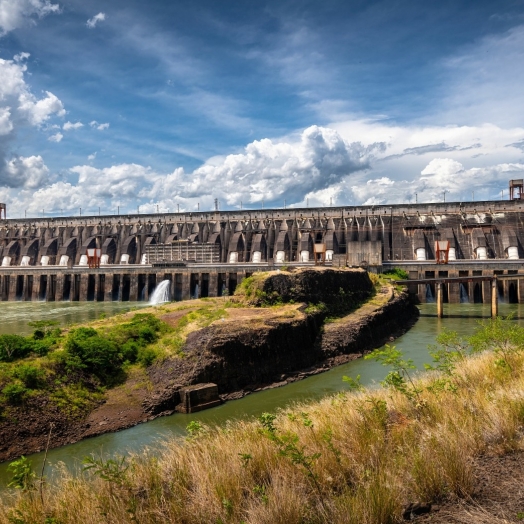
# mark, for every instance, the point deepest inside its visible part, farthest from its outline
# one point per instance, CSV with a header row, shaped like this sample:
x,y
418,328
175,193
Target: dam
x,y
124,257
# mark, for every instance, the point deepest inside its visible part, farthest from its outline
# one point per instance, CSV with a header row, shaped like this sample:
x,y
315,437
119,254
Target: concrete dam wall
x,y
207,254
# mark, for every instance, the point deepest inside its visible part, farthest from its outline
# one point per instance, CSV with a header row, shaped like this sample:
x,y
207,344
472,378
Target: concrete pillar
x,y
120,285
487,294
84,282
521,289
36,287
213,284
454,293
440,300
59,292
422,293
186,285
494,299
12,287
97,286
108,291
133,291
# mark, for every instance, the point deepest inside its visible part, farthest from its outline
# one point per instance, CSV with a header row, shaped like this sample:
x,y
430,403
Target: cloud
x,y
17,13
69,125
481,83
20,57
92,156
101,127
30,172
56,138
20,108
6,125
271,171
317,167
442,179
266,170
38,111
92,22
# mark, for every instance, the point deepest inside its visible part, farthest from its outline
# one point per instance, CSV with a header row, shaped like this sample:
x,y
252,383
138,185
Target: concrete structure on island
x,y
209,253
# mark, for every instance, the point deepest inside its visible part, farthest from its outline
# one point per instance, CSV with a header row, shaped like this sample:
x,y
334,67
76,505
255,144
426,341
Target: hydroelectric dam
x,y
124,257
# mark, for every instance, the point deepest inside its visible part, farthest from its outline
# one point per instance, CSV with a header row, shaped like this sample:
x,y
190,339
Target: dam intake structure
x,y
125,257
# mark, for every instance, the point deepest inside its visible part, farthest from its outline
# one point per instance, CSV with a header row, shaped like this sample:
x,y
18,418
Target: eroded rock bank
x,y
248,349
245,354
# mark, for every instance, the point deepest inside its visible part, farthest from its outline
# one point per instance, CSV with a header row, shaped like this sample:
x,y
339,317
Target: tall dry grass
x,y
351,458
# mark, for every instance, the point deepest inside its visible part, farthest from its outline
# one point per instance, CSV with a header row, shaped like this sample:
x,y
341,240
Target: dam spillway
x,y
209,253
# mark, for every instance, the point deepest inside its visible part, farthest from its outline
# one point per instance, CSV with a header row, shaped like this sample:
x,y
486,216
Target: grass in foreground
x,y
357,457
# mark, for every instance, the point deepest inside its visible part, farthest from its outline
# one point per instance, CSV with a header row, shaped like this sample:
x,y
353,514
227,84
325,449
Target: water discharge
x,y
462,318
161,294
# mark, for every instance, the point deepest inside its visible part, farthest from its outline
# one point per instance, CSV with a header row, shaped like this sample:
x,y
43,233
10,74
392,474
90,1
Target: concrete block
x,y
198,397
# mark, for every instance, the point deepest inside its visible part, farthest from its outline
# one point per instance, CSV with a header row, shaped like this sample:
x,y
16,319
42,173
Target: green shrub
x,y
14,393
397,274
30,375
146,356
87,350
130,351
41,347
143,329
13,347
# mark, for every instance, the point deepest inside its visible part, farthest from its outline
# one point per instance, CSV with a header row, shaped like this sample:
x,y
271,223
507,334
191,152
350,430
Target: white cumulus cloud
x,y
29,172
69,125
92,22
17,13
56,137
20,108
101,127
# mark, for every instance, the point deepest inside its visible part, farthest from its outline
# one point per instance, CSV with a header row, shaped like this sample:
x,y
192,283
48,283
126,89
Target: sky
x,y
168,105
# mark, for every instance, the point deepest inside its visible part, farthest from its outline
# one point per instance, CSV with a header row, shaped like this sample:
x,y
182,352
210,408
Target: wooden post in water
x,y
440,301
494,298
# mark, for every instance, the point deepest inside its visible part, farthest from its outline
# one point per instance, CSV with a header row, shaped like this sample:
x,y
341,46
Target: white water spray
x,y
161,293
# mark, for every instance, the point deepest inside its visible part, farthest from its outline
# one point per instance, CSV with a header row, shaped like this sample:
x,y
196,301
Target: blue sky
x,y
163,104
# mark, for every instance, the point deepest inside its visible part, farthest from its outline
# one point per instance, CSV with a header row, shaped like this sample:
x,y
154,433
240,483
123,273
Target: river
x,y
462,318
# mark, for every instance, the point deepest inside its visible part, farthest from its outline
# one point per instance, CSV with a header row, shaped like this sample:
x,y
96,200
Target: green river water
x,y
463,318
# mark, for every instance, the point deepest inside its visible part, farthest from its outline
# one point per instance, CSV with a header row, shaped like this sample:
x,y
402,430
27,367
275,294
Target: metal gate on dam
x,y
209,253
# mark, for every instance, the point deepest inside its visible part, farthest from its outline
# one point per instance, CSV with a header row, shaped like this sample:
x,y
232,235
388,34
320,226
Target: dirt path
x,y
498,498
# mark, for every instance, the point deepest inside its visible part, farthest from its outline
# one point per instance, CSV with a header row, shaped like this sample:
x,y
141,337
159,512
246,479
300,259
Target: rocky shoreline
x,y
254,350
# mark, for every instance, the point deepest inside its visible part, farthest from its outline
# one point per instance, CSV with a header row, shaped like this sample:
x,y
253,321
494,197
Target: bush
x,y
87,350
397,274
14,393
13,347
146,356
130,351
143,329
30,375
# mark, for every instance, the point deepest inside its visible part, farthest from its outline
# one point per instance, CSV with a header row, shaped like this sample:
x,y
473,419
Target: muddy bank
x,y
248,350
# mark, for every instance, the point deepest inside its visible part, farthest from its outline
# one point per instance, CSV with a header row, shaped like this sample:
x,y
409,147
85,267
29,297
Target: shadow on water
x,y
463,318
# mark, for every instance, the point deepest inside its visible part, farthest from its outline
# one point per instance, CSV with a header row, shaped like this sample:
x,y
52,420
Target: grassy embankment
x,y
73,368
357,457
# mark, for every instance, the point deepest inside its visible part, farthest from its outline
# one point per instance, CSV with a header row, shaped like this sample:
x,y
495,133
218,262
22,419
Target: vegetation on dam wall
x,y
123,370
362,457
